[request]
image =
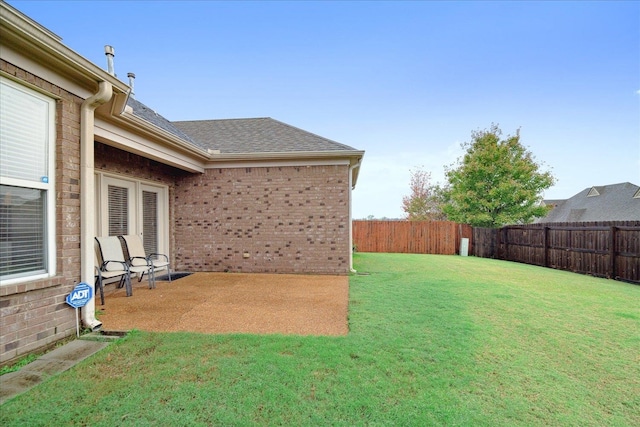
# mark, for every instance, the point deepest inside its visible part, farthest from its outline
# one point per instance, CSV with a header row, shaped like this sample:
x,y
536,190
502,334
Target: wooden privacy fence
x,y
603,249
416,237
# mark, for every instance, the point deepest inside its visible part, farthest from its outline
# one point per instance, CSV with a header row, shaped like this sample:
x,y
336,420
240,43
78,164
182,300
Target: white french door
x,y
127,206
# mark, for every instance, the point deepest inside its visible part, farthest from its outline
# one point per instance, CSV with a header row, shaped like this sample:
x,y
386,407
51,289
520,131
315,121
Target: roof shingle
x,y
142,111
258,135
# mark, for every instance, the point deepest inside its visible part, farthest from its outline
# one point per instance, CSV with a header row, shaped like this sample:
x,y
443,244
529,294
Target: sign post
x,y
79,297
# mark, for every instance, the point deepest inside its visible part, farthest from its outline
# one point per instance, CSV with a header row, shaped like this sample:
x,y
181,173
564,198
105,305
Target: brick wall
x,y
268,219
34,314
287,219
114,160
129,165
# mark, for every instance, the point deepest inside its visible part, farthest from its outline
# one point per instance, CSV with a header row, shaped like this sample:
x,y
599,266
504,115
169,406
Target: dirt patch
x,y
233,303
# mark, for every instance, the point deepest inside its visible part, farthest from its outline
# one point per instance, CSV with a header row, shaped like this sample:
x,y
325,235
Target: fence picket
x,y
422,237
604,249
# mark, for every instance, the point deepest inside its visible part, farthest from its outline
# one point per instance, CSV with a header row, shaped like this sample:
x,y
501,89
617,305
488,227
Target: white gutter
x,y
216,156
88,198
351,169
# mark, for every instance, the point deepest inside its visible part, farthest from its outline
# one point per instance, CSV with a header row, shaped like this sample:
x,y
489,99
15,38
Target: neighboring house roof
x,y
615,202
259,135
553,202
148,114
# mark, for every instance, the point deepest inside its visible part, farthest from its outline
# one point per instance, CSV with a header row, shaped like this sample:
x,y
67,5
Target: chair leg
x,y
169,272
99,283
127,284
152,278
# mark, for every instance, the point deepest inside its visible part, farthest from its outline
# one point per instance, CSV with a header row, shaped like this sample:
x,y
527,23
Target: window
x,y
27,196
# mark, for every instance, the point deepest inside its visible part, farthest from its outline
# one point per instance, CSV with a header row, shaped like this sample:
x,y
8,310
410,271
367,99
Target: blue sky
x,y
405,81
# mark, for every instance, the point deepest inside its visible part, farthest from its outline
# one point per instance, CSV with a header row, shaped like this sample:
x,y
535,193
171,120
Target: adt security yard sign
x,y
79,297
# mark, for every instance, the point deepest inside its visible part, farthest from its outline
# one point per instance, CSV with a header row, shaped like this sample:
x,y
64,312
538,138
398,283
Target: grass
x,y
23,361
31,357
434,340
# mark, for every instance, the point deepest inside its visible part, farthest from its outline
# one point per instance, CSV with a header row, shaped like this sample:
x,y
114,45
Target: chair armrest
x,y
166,258
105,264
146,260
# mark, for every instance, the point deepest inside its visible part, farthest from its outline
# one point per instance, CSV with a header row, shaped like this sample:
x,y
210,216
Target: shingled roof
x,y
615,202
148,114
259,135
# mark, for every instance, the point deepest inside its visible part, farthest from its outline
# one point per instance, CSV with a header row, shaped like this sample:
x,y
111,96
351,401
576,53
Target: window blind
x,y
24,132
118,199
22,231
150,221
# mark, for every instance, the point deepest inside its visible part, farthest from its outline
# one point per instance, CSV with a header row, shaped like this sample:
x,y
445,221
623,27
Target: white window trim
x,y
50,187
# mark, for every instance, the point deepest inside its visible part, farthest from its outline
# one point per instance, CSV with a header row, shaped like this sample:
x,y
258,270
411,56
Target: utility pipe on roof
x,y
88,199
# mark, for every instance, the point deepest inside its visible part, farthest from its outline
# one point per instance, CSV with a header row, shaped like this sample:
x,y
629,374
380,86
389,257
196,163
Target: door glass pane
x,y
118,210
150,221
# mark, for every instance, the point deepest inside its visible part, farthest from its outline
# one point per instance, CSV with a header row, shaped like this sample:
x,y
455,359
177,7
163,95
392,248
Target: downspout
x,y
351,168
88,198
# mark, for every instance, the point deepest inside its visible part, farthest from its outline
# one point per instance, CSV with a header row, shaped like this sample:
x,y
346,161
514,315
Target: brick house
x,y
81,157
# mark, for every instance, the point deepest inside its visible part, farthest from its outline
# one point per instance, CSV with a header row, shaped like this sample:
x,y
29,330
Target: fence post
x,y
545,246
612,251
505,243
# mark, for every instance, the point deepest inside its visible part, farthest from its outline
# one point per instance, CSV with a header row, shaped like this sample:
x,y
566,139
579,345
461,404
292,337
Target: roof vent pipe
x,y
132,77
110,52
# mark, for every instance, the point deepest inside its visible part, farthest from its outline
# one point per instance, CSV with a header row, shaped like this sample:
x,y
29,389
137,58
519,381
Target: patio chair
x,y
139,261
112,265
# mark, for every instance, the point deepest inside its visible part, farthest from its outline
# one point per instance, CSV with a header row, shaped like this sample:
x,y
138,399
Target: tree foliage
x,y
425,201
496,182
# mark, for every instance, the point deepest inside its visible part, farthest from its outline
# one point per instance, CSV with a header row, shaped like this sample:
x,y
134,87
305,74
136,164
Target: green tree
x,y
425,201
496,182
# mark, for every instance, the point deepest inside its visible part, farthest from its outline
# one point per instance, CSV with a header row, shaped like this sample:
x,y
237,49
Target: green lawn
x,y
435,340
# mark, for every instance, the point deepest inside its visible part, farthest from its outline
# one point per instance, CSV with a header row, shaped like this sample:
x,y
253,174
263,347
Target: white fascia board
x,y
315,158
45,48
20,60
276,163
118,137
352,156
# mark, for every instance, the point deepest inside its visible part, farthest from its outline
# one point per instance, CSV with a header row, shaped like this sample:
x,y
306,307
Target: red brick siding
x,y
33,314
287,219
